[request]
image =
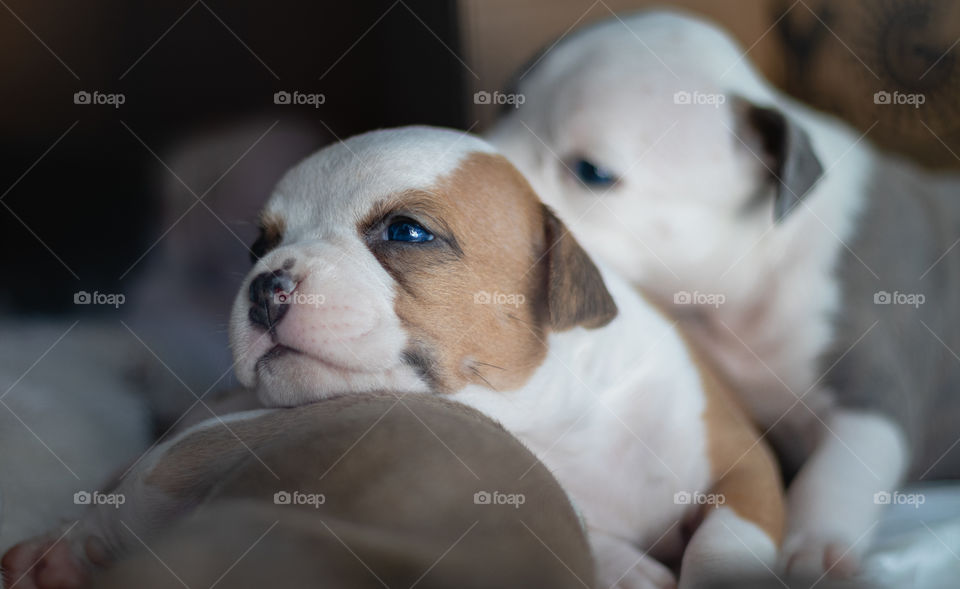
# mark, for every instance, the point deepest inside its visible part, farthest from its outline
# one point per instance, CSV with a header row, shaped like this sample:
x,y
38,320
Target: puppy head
x,y
414,259
645,136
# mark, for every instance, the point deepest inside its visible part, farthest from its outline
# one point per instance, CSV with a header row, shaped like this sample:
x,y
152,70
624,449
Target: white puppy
x,y
776,236
419,260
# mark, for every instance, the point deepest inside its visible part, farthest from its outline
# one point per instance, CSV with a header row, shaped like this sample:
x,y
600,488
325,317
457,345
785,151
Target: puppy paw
x,y
46,562
814,556
621,566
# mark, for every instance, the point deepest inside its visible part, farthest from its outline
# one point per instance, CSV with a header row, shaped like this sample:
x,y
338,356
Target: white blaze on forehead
x,y
660,47
331,190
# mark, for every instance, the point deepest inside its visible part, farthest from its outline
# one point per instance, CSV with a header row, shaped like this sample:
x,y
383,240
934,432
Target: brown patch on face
x,y
271,233
478,300
744,468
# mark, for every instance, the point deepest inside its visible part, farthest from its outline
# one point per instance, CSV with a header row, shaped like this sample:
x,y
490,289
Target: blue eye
x,y
592,175
408,231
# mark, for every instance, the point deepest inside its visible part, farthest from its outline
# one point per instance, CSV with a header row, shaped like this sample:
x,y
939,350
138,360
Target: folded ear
x,y
576,294
786,150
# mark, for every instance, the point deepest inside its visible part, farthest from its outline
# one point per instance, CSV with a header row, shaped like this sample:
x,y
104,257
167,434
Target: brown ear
x,y
576,294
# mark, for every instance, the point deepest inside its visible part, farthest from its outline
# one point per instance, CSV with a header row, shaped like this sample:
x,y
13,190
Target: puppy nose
x,y
270,297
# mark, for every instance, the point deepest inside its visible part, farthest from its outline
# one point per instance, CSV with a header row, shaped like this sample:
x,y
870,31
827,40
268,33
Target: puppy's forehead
x,y
660,48
339,185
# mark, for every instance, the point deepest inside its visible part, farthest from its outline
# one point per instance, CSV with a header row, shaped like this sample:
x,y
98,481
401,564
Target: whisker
x,y
490,365
481,377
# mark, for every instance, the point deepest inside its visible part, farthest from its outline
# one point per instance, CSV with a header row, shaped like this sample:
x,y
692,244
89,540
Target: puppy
x,y
795,255
353,492
420,260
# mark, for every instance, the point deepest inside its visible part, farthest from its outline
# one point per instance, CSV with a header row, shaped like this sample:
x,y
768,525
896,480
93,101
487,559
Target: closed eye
x,y
406,230
593,175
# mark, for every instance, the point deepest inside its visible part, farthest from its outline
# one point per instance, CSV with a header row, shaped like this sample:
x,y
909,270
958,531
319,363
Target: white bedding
x,y
919,545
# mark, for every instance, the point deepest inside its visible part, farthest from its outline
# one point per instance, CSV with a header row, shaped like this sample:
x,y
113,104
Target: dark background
x,y
92,200
81,186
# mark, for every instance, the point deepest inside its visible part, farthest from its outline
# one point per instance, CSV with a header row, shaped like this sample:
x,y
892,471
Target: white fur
x,y
716,551
342,319
677,221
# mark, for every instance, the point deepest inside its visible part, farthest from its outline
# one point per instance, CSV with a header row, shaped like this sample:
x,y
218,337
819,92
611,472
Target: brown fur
x,y
493,236
271,233
743,465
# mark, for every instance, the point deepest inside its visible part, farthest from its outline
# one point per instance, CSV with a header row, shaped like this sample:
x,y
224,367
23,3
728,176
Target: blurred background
x,y
135,135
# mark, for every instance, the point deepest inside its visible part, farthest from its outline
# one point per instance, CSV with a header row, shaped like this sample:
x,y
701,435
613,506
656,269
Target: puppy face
x,y
633,134
413,260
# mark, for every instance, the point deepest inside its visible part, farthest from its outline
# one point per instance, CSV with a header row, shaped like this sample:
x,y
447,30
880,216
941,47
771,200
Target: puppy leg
x,y
740,536
833,504
621,566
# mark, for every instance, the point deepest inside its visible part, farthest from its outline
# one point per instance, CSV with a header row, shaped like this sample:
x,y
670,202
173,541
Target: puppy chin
x,y
291,380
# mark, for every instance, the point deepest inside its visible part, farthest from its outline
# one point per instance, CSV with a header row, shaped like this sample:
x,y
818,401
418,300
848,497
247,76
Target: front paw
x,y
53,561
814,555
621,566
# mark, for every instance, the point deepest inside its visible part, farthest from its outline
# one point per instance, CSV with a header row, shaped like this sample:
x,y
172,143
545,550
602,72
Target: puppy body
x,y
766,229
225,503
420,260
502,310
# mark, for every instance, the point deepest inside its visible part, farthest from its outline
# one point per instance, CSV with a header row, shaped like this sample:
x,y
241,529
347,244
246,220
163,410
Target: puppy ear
x,y
576,294
786,150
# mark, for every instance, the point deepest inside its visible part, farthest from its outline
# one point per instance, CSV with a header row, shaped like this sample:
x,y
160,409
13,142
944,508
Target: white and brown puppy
x,y
420,260
780,240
